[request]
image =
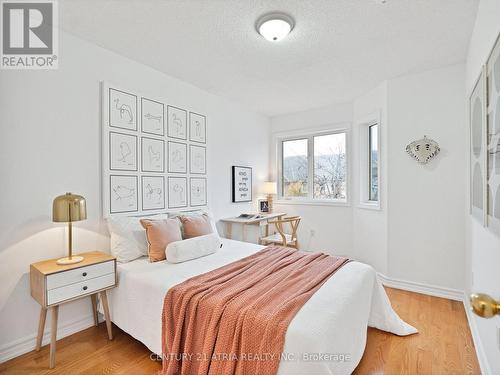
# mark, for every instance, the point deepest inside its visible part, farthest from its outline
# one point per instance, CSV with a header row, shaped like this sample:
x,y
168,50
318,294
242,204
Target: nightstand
x,y
53,284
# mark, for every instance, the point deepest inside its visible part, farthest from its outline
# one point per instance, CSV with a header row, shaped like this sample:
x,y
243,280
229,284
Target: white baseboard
x,y
431,290
481,356
453,294
27,343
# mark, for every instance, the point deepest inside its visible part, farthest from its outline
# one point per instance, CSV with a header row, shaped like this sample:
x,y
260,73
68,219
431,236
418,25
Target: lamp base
x,y
71,260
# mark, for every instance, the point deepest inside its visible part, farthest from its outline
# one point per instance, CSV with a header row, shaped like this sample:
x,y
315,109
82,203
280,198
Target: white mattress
x,y
327,336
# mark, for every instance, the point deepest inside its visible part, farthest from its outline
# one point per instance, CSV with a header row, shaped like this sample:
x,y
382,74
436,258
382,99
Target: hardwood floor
x,y
443,346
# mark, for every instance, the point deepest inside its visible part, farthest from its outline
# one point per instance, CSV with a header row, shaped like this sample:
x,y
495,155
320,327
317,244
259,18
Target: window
x,y
295,168
369,163
314,167
330,166
373,162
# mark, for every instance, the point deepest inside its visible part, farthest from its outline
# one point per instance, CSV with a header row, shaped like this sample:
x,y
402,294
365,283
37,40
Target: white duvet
x,y
327,336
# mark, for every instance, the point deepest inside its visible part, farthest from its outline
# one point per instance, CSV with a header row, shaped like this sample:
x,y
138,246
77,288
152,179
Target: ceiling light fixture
x,y
274,26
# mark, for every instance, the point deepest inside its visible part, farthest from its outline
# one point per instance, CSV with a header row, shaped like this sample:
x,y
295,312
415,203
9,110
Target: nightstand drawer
x,y
79,289
60,279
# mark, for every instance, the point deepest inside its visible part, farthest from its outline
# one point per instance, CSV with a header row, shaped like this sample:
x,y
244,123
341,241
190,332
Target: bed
x,y
327,336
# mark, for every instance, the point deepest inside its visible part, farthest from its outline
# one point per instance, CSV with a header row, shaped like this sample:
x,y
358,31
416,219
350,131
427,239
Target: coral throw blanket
x,y
233,320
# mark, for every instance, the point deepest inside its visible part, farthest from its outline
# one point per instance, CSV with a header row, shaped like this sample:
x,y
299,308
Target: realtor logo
x,y
29,34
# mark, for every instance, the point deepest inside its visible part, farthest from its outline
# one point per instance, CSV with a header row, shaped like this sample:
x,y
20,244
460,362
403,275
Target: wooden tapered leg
x,y
105,305
53,336
93,297
41,327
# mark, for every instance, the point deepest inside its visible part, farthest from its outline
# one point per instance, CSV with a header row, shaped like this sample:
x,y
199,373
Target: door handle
x,y
484,305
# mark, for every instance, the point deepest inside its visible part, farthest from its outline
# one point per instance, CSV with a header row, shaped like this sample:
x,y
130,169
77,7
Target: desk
x,y
262,220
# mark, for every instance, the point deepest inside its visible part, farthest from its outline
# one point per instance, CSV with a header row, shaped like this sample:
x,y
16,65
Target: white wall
x,y
332,225
50,144
483,247
370,226
426,225
419,231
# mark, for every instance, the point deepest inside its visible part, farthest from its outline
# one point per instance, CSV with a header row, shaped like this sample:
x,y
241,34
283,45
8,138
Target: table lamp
x,y
270,189
68,208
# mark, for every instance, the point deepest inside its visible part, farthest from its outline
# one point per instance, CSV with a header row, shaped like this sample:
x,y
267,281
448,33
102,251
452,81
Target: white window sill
x,y
370,206
312,202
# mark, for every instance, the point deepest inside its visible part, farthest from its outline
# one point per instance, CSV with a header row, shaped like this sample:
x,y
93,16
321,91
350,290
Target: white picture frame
x,y
153,155
198,191
122,151
197,159
122,109
492,72
477,154
124,195
177,157
152,117
153,192
177,122
197,128
177,192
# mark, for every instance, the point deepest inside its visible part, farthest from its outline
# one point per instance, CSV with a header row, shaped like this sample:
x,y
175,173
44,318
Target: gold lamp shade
x,y
68,208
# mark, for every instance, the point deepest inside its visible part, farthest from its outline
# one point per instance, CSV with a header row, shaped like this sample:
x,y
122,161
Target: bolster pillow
x,y
192,248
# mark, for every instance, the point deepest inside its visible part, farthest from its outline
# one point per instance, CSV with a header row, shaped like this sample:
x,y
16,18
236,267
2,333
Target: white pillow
x,y
192,248
128,237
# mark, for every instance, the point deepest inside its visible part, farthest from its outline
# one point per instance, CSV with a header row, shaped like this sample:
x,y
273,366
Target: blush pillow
x,y
128,238
193,248
195,226
196,213
159,234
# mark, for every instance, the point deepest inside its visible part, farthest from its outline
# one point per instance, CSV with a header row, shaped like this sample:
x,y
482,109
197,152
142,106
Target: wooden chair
x,y
283,238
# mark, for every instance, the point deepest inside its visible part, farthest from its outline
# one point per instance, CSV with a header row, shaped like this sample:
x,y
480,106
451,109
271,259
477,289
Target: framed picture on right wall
x,y
477,154
493,138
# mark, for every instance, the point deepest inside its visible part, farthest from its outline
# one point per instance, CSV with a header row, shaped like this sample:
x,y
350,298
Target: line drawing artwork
x,y
125,151
177,157
198,191
198,159
123,192
152,155
177,122
177,192
179,129
125,111
150,117
122,109
153,194
197,127
122,151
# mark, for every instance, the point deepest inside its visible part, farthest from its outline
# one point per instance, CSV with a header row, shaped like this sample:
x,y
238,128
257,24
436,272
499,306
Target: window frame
x,y
364,162
310,135
370,126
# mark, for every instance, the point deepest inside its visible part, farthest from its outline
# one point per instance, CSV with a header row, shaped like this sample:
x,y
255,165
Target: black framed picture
x,y
241,184
263,205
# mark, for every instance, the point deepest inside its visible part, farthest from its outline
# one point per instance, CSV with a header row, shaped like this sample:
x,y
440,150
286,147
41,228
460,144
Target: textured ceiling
x,y
338,49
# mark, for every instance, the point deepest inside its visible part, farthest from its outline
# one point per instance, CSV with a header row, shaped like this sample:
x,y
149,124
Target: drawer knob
x,y
85,288
84,274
